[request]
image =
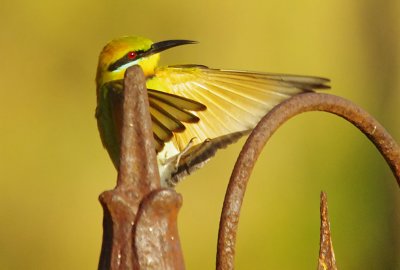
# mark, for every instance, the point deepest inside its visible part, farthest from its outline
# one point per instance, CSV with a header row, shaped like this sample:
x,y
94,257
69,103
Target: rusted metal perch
x,y
260,135
139,224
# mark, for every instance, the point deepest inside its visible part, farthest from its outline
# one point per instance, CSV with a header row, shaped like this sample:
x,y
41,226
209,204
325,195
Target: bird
x,y
195,110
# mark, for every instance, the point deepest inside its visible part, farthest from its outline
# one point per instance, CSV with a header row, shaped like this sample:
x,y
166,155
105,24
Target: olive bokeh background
x,y
53,167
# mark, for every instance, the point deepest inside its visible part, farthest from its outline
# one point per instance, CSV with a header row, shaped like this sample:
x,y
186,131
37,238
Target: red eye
x,y
132,55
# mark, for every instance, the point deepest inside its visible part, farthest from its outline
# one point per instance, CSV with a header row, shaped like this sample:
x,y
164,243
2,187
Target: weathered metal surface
x,y
326,259
137,177
260,135
156,232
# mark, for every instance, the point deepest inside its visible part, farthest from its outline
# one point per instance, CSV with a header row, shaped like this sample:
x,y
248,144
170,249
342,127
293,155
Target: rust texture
x,y
260,135
156,232
137,177
326,260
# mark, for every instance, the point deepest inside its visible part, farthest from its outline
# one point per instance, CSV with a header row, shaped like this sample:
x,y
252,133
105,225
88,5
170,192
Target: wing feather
x,y
161,131
210,103
178,101
168,120
179,114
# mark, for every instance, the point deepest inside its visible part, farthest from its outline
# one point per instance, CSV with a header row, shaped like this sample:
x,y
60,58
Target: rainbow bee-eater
x,y
195,110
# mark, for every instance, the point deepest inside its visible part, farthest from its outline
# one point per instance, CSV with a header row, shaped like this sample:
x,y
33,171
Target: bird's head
x,y
123,52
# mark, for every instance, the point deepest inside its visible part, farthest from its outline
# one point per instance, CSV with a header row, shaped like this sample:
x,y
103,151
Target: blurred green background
x,y
53,167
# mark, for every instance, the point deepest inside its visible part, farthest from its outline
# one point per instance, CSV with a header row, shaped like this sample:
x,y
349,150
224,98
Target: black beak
x,y
165,45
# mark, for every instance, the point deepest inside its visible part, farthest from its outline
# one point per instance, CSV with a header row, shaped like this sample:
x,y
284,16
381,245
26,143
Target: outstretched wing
x,y
198,102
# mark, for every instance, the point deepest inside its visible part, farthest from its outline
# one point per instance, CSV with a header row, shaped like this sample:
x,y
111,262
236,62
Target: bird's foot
x,y
175,162
184,151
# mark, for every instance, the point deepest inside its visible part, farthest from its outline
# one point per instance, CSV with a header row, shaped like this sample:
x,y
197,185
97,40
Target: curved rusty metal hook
x,y
260,135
